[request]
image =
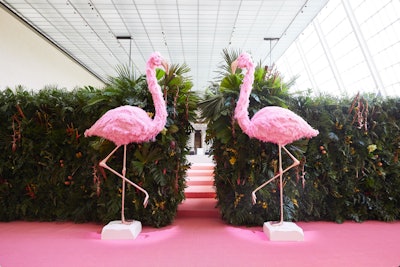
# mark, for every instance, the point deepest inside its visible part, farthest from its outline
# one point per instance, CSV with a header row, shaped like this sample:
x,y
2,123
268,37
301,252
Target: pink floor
x,y
199,239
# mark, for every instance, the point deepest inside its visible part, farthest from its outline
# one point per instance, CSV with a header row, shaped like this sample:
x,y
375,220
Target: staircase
x,y
200,191
200,181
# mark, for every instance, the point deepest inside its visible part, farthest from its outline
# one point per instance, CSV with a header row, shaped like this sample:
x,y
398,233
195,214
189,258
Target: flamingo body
x,y
279,126
124,125
129,124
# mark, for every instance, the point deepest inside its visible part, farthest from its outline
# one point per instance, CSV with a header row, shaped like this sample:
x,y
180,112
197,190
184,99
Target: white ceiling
x,y
190,31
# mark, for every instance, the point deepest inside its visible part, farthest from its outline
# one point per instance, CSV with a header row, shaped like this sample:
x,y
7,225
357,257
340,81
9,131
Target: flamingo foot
x,y
253,198
123,221
277,223
146,200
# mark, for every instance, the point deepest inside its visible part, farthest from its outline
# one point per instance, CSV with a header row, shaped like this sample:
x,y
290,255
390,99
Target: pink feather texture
x,y
270,124
128,124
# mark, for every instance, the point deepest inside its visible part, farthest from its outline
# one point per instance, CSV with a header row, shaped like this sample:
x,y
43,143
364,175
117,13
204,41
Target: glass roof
x,y
194,32
350,47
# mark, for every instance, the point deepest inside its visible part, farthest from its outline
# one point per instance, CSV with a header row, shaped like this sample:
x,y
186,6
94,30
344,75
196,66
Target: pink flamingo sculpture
x,y
128,124
270,124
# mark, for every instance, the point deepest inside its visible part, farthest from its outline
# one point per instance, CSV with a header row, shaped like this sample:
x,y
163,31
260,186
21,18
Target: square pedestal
x,y
118,230
288,231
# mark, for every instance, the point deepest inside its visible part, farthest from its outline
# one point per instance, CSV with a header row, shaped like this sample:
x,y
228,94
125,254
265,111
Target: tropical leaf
x,y
211,108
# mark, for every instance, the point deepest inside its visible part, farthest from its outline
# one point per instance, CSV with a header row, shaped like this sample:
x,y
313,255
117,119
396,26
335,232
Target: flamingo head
x,y
156,60
243,61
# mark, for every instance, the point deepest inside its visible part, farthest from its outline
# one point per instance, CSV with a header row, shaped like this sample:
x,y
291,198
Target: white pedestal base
x,y
288,231
117,230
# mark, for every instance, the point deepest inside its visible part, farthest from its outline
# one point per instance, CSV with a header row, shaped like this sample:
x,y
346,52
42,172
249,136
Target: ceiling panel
x,y
190,31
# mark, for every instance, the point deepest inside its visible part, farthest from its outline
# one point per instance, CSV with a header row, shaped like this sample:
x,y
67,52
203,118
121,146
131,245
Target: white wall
x,y
29,60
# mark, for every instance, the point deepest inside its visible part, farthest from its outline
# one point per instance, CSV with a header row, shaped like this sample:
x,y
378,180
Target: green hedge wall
x,y
352,168
49,170
350,171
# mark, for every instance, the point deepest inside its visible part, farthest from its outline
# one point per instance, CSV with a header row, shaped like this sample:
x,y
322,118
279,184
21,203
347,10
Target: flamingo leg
x,y
280,175
103,164
123,172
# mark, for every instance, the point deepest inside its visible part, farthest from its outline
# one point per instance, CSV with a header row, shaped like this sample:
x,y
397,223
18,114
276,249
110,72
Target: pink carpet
x,y
199,238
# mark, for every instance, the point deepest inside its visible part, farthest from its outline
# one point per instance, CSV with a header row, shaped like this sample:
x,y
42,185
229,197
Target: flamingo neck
x,y
160,116
241,110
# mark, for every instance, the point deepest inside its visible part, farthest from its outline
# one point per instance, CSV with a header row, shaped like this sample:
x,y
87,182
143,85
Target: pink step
x,y
199,174
189,195
202,166
200,181
198,207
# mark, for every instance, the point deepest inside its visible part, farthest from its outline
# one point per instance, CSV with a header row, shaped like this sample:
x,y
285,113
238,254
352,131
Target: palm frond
x,y
210,108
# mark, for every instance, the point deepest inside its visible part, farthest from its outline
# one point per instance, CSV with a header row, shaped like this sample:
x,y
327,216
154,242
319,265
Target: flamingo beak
x,y
165,65
234,66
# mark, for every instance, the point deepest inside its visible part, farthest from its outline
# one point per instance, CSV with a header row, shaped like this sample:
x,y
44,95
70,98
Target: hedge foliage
x,y
350,171
49,171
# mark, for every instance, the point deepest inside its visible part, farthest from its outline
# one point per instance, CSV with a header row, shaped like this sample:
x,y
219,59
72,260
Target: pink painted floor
x,y
199,239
